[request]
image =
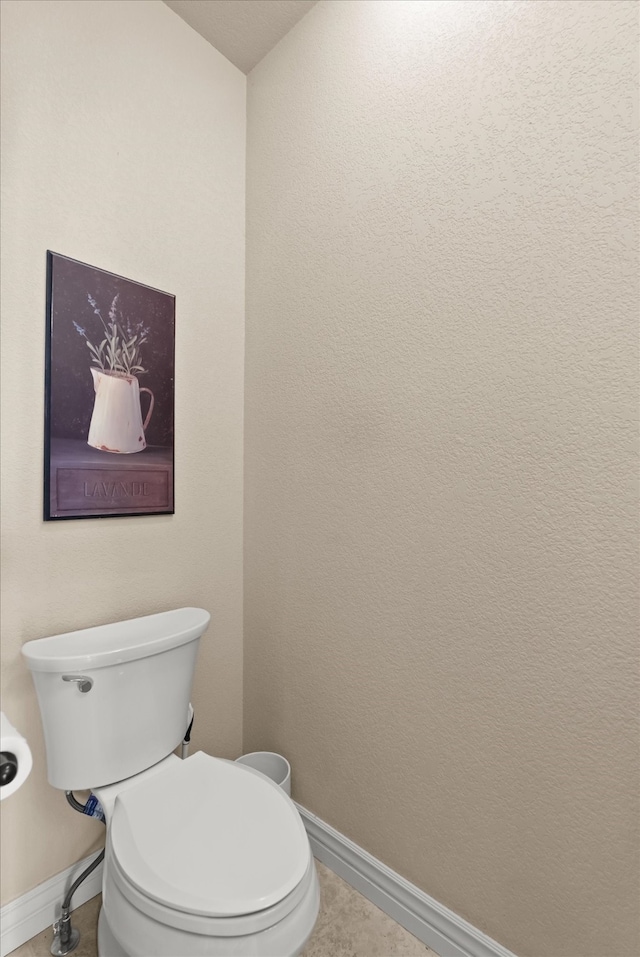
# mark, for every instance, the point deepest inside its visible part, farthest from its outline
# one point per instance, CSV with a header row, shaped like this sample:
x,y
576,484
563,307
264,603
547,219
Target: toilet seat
x,y
211,839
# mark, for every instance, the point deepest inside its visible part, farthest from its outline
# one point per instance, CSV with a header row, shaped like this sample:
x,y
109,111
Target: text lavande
x,y
115,489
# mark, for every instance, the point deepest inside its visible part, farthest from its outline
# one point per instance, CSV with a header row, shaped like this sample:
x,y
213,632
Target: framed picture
x,y
109,394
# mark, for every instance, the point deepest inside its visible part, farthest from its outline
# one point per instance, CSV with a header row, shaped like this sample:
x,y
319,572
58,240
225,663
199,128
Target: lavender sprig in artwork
x,y
119,351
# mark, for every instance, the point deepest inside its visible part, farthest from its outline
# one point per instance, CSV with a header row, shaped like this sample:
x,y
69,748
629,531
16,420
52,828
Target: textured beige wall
x,y
123,146
440,523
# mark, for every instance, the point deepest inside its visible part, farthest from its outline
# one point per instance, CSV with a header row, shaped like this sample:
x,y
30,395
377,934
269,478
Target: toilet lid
x,y
210,837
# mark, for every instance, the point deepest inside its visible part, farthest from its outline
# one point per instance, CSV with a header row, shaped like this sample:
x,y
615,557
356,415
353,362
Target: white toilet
x,y
204,857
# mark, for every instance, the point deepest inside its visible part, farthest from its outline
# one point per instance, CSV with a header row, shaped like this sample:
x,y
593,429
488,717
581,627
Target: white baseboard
x,y
432,923
32,913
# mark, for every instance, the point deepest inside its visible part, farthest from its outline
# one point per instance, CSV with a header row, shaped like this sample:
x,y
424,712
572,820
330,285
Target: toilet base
x,y
287,938
108,946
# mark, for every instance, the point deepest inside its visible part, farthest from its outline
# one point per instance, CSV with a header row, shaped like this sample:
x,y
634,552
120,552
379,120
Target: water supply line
x,y
66,937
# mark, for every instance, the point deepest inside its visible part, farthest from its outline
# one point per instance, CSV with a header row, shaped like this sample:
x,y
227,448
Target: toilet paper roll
x,y
16,759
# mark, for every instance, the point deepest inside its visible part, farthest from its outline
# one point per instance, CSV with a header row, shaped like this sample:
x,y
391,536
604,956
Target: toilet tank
x,y
114,699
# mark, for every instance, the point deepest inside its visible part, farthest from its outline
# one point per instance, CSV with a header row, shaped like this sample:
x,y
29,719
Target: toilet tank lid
x,y
112,644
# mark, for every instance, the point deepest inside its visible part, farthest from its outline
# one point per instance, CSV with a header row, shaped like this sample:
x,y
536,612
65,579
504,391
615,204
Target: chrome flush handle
x,y
84,684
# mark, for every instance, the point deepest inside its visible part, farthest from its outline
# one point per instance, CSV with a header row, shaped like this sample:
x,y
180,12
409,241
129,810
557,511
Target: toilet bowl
x,y
204,857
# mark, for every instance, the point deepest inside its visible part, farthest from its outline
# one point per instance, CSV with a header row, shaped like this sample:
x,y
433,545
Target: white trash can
x,y
272,765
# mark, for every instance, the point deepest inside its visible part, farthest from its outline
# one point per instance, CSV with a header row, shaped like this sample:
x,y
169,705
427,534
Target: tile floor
x,y
348,926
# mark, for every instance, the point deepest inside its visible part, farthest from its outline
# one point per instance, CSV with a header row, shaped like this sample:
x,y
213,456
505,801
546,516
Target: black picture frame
x,y
106,452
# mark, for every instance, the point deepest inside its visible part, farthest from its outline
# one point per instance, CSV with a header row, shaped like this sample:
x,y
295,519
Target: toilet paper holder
x,y
16,760
8,767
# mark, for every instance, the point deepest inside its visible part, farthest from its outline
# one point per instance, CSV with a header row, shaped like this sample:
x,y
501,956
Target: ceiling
x,y
242,30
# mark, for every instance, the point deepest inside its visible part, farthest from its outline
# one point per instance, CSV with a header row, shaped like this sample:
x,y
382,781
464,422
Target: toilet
x,y
204,857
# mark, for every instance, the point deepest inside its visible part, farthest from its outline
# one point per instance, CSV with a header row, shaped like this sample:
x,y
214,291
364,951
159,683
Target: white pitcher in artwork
x,y
116,423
